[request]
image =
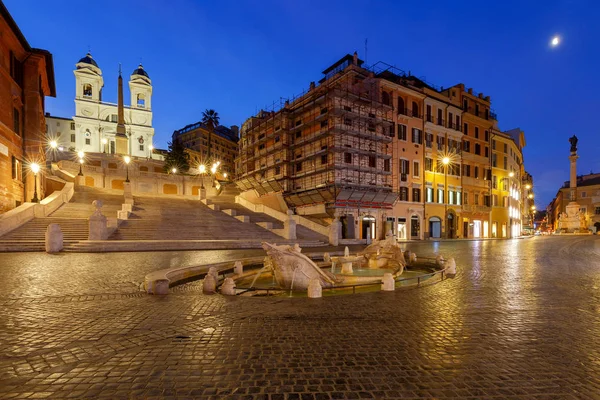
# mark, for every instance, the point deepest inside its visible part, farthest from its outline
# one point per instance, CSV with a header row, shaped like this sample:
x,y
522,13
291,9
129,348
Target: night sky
x,y
239,56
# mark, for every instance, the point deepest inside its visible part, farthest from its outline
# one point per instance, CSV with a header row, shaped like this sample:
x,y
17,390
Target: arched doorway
x,y
451,225
367,225
435,227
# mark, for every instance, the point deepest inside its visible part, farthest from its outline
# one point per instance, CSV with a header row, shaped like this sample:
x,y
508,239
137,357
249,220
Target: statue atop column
x,y
573,141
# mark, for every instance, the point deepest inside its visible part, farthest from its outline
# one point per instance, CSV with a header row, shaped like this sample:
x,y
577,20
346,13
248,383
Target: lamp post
x,y
35,168
53,146
80,154
127,160
174,170
446,162
151,149
104,142
202,170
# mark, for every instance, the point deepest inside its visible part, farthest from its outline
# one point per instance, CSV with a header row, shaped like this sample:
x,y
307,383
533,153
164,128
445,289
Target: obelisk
x,y
121,136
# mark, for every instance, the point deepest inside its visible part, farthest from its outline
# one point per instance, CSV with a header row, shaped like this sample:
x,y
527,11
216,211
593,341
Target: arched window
x,y
385,98
401,109
141,100
87,90
415,109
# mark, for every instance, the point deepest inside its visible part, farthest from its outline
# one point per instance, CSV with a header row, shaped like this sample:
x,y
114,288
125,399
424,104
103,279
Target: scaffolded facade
x,y
328,151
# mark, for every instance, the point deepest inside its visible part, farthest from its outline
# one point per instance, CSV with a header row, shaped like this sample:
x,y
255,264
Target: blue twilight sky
x,y
238,56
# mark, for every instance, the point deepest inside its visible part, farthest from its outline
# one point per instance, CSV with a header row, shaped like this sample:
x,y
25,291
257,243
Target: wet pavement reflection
x,y
520,320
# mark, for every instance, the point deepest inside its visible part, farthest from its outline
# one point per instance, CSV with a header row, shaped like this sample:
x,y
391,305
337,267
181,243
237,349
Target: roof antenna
x,y
119,69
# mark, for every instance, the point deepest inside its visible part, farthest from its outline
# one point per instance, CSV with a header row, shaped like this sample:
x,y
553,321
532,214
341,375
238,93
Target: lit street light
x,y
127,160
80,154
53,146
35,168
174,170
446,161
202,170
104,142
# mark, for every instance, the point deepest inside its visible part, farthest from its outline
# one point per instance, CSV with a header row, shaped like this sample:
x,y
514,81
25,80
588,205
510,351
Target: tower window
x,y
87,90
141,100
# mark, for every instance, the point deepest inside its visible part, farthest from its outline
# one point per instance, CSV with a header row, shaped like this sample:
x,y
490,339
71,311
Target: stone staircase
x,y
226,201
72,218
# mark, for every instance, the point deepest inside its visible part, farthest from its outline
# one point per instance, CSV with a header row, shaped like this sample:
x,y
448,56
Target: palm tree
x,y
210,118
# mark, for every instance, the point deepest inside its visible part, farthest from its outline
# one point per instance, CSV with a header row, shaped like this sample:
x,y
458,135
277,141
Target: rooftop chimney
x,y
355,58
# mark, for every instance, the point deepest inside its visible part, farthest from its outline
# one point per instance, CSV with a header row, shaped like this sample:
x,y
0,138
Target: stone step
x,y
266,225
231,212
243,218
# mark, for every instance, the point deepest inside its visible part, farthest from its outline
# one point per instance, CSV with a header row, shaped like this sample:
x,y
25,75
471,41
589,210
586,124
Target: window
x,y
429,194
466,170
347,121
466,129
505,148
298,134
450,119
477,149
298,167
385,98
417,136
477,109
465,104
323,110
141,100
495,182
87,90
416,195
386,165
16,170
476,173
324,160
114,118
494,199
487,135
325,123
428,140
416,168
450,196
72,126
403,194
141,147
465,198
487,200
16,121
467,146
440,142
458,122
440,196
476,133
458,198
476,200
487,151
277,170
299,122
404,167
348,158
72,138
346,108
277,139
494,160
402,132
88,141
583,194
415,109
493,144
401,107
440,119
505,163
428,164
428,113
597,211
372,162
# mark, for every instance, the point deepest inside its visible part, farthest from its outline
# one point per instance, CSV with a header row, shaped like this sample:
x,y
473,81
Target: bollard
x,y
209,284
53,238
228,287
387,283
213,271
450,266
238,268
315,290
161,286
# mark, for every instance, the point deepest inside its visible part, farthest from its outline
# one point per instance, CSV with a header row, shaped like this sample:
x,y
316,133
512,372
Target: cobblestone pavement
x,y
520,320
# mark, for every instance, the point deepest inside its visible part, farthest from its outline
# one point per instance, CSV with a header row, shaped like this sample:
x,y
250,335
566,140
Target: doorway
x,y
476,228
451,230
368,227
435,227
415,227
465,229
401,228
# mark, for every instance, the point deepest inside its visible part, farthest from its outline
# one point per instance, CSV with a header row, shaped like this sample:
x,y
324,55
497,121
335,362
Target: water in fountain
x,y
259,273
346,252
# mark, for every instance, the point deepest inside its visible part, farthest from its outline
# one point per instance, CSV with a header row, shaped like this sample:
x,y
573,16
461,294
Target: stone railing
x,y
27,211
261,208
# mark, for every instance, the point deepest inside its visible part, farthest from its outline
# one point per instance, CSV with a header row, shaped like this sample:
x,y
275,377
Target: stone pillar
x,y
213,271
97,223
127,193
79,180
202,193
209,284
289,226
228,287
54,238
573,184
387,283
450,265
335,231
315,290
238,268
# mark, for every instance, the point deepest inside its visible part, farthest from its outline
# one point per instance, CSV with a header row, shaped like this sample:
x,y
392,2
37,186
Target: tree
x,y
210,118
176,157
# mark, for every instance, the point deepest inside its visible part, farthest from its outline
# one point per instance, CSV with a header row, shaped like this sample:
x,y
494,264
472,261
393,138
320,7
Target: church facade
x,y
94,127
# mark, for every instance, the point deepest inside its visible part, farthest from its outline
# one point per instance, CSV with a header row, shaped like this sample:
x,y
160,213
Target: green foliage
x,y
176,158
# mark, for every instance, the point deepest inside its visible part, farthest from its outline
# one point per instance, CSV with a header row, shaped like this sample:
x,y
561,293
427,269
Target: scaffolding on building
x,y
327,146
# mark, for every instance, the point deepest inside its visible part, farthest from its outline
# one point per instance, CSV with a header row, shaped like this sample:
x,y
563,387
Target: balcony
x,y
409,112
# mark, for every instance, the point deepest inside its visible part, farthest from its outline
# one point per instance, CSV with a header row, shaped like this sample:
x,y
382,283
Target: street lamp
x,y
80,154
127,160
446,162
151,149
202,170
104,142
53,146
35,168
174,170
511,174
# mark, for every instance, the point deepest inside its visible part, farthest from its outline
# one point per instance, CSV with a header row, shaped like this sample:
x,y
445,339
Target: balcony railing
x,y
409,112
456,127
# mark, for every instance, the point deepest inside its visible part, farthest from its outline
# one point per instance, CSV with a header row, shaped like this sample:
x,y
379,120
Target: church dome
x,y
140,71
88,59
